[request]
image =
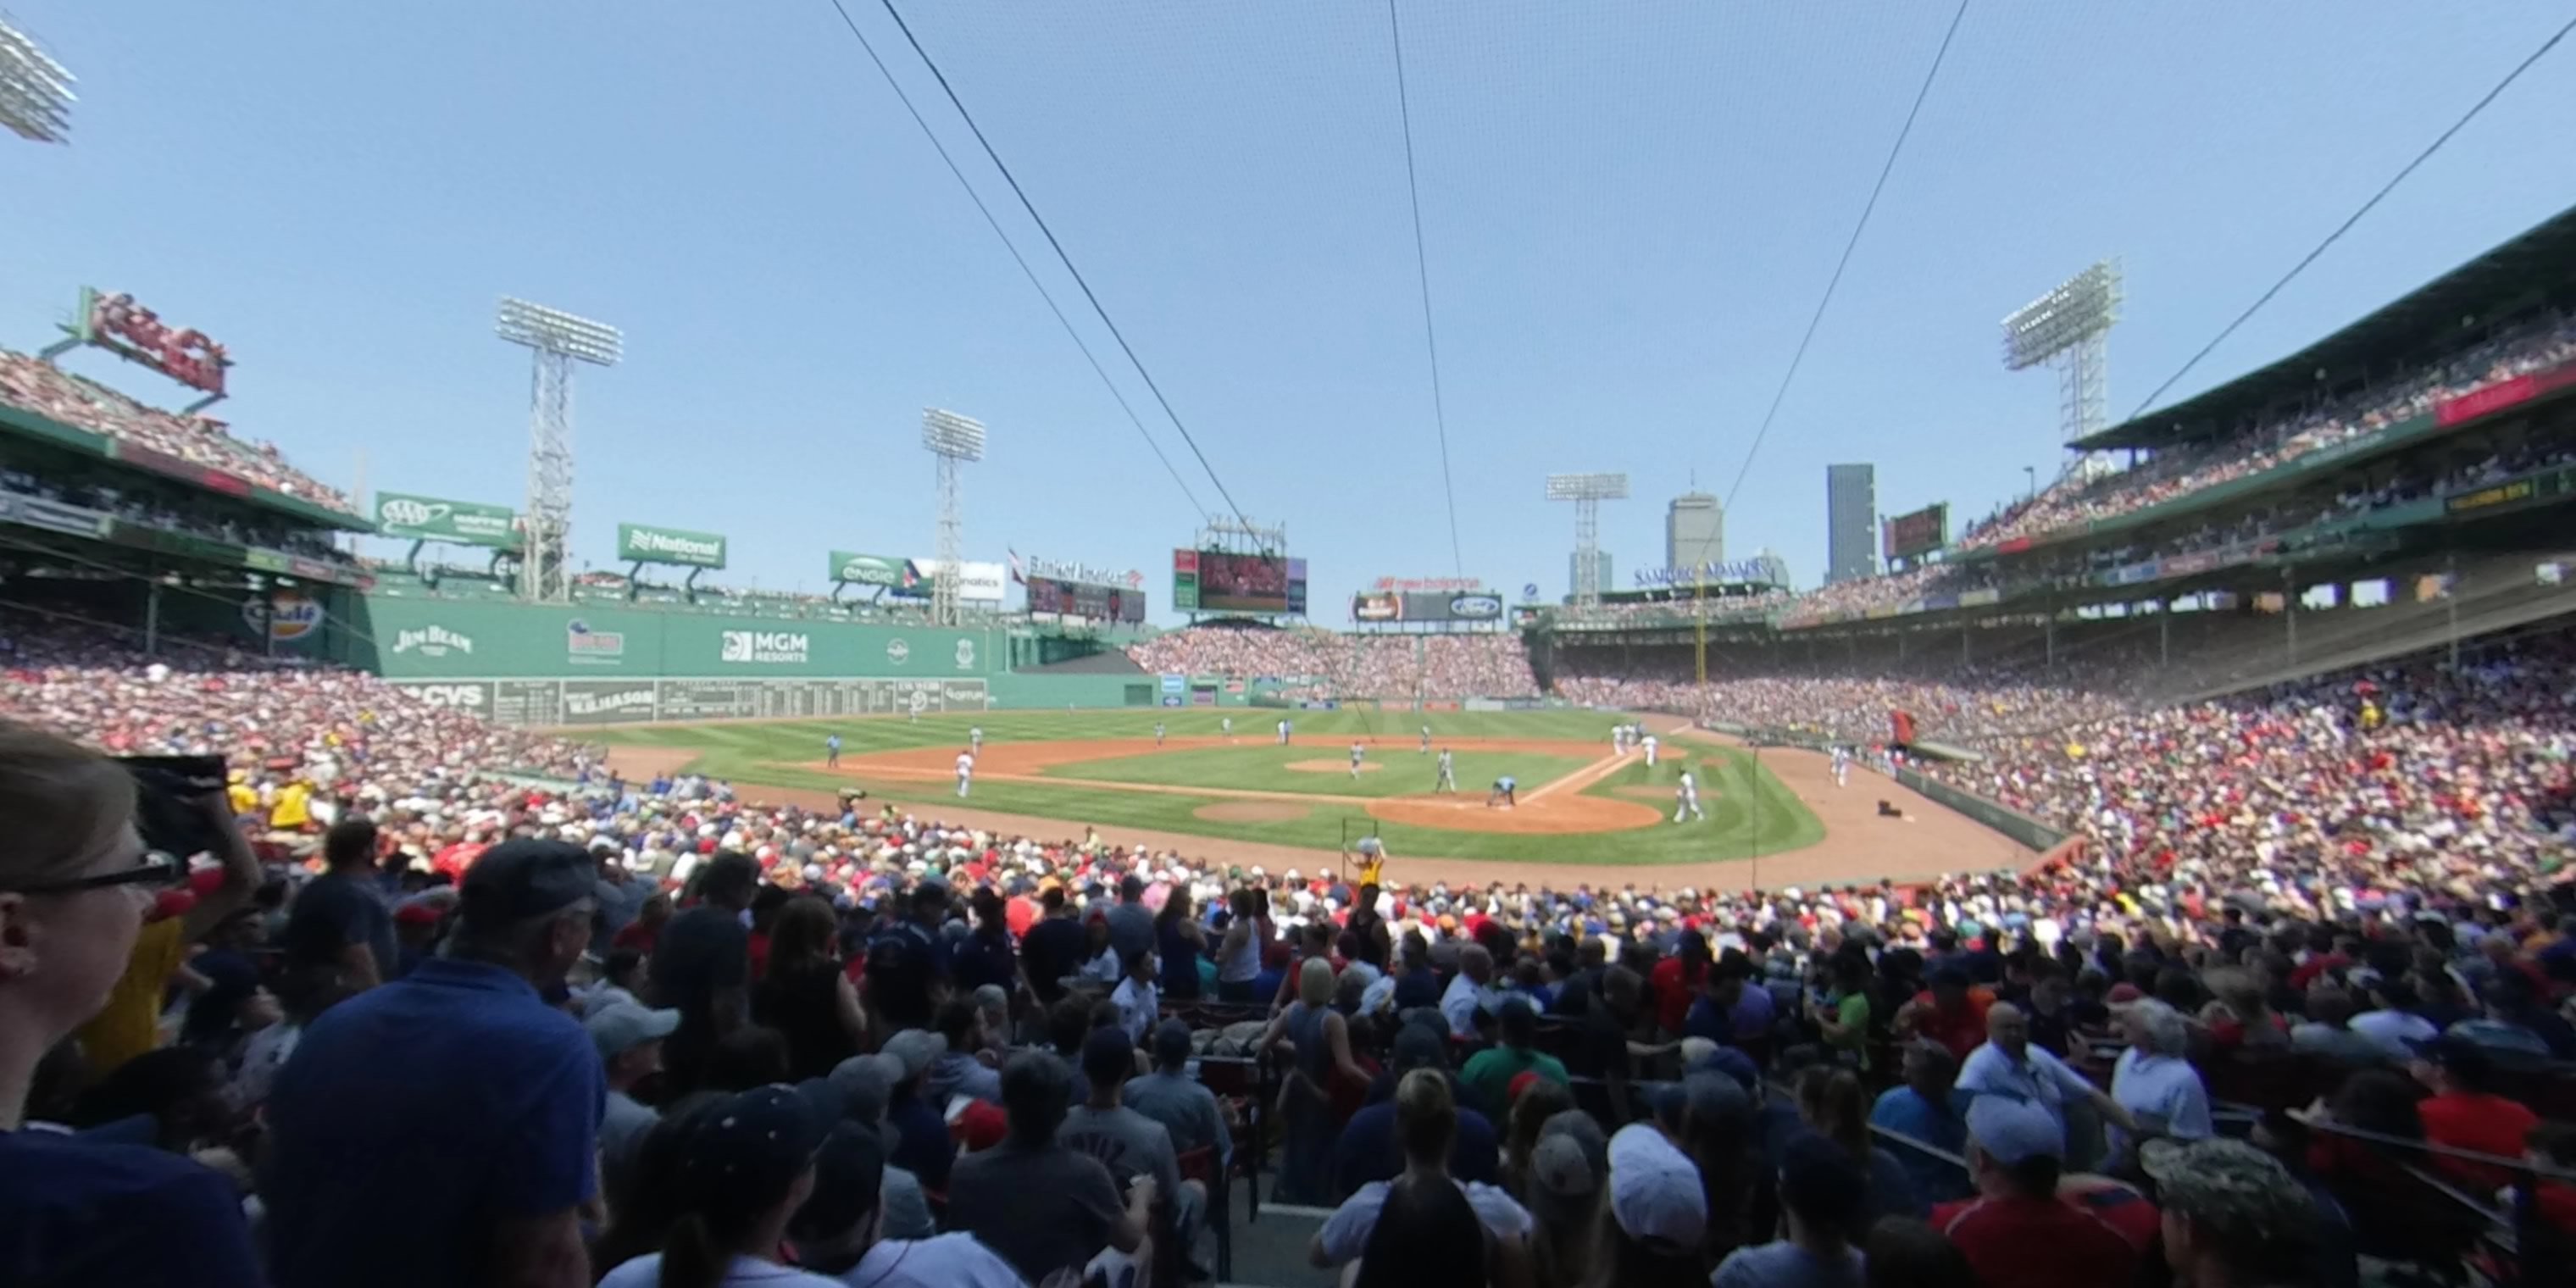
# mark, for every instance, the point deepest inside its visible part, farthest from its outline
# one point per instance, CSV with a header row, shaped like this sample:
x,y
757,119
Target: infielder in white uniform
x,y
975,740
1686,798
1648,742
1283,733
1842,764
1618,740
965,770
1227,725
1448,774
1158,733
1426,740
1357,751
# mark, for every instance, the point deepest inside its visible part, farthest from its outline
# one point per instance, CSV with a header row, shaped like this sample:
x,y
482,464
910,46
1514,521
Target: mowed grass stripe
x,y
1749,811
1265,768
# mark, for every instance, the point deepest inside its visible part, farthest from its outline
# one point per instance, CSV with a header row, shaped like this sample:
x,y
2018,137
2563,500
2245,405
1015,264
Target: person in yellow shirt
x,y
243,797
293,809
130,1023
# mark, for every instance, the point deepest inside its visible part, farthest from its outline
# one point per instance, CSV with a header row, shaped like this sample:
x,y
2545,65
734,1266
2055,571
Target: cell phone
x,y
166,812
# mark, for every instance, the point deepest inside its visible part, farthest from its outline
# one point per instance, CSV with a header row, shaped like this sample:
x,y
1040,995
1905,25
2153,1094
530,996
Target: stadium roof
x,y
2506,280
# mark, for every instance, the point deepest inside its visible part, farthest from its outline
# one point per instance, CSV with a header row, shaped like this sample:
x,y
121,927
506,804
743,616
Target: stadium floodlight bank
x,y
555,340
35,91
1587,492
953,440
2069,328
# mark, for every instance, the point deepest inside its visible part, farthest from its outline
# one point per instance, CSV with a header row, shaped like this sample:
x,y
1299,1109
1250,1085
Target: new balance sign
x,y
790,647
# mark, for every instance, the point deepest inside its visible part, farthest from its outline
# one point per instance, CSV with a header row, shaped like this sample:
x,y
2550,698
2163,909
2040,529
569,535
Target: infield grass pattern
x,y
1748,810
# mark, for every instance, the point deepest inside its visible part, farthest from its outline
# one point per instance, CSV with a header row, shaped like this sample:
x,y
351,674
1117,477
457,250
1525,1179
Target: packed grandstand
x,y
442,999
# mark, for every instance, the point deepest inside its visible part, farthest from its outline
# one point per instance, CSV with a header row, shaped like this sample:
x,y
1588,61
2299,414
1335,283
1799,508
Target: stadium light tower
x,y
2070,329
1587,492
35,92
558,339
953,440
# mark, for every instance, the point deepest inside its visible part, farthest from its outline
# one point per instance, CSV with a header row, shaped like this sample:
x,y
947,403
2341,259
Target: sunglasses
x,y
156,870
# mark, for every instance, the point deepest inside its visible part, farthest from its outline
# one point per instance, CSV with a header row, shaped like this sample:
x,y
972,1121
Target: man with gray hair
x,y
2154,1079
1470,992
2233,1216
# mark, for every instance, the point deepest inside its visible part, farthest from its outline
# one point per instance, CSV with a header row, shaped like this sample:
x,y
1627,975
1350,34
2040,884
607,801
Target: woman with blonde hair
x,y
1317,1041
75,885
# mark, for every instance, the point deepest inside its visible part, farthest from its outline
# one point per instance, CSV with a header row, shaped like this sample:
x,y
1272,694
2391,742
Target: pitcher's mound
x,y
1252,812
1331,766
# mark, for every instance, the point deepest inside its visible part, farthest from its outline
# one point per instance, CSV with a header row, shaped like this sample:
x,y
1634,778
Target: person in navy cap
x,y
444,1128
745,1170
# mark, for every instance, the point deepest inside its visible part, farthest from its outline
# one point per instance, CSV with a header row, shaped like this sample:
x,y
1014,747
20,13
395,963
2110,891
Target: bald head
x,y
2008,1028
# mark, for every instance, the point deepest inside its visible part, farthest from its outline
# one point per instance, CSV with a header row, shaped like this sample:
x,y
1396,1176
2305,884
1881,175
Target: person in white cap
x,y
1658,1210
1649,743
965,771
1686,798
975,740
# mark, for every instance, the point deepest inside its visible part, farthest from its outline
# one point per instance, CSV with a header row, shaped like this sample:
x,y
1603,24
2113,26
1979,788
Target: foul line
x,y
1584,777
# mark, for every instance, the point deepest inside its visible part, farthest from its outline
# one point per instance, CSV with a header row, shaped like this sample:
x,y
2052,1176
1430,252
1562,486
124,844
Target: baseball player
x,y
1358,752
1426,740
1227,725
1686,798
1158,733
1618,739
1505,791
1648,742
1448,774
1842,764
965,771
832,752
975,740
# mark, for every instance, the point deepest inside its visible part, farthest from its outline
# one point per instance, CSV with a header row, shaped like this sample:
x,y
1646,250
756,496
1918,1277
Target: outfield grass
x,y
1264,768
1748,810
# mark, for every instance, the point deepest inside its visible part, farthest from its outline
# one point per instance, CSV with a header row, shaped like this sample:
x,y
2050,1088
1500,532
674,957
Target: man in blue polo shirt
x,y
443,1129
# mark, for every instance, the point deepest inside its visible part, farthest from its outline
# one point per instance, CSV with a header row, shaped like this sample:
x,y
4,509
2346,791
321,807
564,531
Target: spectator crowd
x,y
1356,665
57,395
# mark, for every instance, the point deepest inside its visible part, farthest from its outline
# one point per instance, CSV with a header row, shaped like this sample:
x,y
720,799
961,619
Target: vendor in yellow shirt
x,y
292,811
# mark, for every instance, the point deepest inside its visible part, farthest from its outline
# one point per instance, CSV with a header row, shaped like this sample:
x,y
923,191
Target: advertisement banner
x,y
1089,574
111,320
865,570
1714,574
1908,535
980,583
1185,580
410,517
1085,599
1377,607
1435,606
1241,581
639,543
1452,584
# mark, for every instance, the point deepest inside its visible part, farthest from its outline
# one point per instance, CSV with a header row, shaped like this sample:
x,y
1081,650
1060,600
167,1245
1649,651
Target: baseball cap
x,y
2231,1187
1418,1046
865,1083
1560,1176
2010,1130
1171,1042
1654,1188
1579,1127
621,1026
848,1175
2015,1130
1820,1182
750,1149
915,1048
1106,1056
523,879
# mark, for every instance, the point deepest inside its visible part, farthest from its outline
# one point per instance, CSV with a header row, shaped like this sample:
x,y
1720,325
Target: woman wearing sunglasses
x,y
75,885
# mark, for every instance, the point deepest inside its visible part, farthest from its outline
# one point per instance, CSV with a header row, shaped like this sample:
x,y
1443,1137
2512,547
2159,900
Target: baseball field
x,y
1243,795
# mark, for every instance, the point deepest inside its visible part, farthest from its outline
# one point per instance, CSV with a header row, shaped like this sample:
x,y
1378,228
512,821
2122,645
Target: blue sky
x,y
1630,209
